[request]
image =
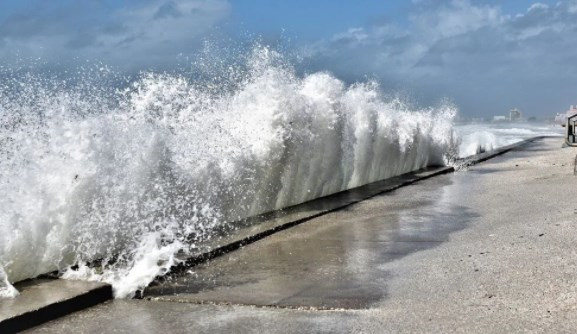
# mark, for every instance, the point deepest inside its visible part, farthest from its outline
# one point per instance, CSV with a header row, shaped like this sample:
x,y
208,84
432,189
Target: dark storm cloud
x,y
486,60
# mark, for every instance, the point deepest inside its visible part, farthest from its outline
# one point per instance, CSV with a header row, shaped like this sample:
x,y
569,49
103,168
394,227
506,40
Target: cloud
x,y
485,59
142,33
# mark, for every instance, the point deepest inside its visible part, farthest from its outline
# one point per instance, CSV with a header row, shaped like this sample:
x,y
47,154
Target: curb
x,y
42,300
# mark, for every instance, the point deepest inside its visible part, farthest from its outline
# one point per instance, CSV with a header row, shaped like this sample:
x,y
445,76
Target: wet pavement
x,y
333,262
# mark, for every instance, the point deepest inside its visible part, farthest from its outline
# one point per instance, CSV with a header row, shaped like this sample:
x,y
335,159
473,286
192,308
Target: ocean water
x,y
126,178
476,138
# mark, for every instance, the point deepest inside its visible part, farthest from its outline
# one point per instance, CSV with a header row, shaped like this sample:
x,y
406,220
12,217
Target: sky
x,y
487,56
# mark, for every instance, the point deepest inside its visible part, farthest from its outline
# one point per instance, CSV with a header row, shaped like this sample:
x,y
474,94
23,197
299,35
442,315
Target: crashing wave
x,y
132,177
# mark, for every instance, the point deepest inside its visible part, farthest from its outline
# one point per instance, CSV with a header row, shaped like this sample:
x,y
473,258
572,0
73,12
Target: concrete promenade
x,y
488,249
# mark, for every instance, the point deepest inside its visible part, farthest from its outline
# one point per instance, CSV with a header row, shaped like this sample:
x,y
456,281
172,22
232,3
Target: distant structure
x,y
514,114
561,118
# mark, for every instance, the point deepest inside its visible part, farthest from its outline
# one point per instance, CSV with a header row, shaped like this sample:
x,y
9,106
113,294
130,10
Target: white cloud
x,y
538,6
572,6
457,18
354,35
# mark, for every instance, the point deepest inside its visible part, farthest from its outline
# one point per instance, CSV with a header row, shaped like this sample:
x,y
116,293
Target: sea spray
x,y
126,179
6,289
475,138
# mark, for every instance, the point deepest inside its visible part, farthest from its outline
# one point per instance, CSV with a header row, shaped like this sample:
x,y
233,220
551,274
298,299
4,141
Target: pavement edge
x,y
52,311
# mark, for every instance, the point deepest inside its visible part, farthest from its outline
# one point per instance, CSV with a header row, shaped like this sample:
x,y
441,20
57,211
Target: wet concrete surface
x,y
490,249
333,262
139,316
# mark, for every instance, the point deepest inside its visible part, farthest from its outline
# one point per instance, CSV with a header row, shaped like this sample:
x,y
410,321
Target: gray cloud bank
x,y
488,61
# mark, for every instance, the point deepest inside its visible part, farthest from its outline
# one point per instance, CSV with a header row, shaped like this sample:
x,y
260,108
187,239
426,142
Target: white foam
x,y
6,289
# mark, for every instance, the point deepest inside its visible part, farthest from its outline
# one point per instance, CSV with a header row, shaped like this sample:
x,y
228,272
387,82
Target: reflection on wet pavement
x,y
334,261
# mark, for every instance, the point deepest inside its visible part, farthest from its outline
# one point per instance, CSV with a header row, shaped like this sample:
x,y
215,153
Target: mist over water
x,y
134,176
476,138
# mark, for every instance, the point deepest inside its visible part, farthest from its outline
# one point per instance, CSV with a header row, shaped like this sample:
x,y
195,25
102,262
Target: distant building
x,y
499,118
561,118
514,114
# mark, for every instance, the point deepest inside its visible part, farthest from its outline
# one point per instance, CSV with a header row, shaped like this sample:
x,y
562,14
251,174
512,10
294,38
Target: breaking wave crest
x,y
134,176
